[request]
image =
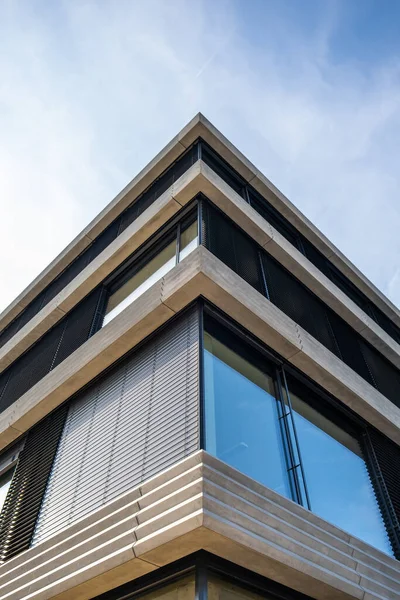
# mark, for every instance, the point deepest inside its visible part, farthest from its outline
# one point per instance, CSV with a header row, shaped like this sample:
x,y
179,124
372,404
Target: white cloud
x,y
90,91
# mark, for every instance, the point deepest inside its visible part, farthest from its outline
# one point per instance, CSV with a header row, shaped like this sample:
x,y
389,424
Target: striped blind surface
x,y
21,508
52,348
138,420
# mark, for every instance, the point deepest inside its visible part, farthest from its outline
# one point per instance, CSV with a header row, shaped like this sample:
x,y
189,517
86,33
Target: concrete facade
x,y
200,503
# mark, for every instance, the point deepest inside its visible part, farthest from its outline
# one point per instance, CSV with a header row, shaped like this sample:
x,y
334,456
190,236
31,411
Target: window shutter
x,y
232,246
137,420
22,505
295,300
387,378
78,326
383,461
58,343
31,366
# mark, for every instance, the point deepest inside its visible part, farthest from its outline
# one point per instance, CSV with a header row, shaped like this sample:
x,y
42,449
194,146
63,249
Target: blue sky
x,y
91,91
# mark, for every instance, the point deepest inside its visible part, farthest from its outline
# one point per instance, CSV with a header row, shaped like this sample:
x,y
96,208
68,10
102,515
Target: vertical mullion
x,y
201,581
296,440
263,277
288,442
178,243
9,374
59,343
99,313
300,246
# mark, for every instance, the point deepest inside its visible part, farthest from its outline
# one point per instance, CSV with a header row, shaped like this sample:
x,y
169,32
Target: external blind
x,y
231,245
21,508
139,419
384,467
58,343
298,302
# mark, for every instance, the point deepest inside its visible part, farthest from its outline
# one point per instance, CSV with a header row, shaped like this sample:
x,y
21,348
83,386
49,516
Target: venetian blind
x,y
138,420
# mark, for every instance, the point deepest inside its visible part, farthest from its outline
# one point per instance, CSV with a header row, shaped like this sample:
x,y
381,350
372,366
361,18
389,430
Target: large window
x,y
152,267
242,426
338,484
288,438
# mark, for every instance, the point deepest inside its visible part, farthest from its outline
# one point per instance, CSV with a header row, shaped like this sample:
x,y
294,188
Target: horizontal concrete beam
x,y
199,274
200,178
199,127
201,503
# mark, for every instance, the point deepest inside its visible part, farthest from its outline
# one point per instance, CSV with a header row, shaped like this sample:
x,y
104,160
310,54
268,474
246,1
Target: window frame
x,y
326,405
144,254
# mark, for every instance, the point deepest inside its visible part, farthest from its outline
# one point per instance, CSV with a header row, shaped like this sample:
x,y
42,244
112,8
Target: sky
x,y
91,90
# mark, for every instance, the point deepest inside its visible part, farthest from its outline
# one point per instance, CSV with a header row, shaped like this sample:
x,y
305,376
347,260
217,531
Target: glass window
x,y
148,274
242,426
5,482
141,281
337,479
189,240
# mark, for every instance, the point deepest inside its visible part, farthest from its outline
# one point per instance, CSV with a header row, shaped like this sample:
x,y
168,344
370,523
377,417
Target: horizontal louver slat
x,y
140,418
21,508
384,467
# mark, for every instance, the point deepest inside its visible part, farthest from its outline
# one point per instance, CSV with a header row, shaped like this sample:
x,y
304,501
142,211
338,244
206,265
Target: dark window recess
x,y
350,348
386,377
237,250
31,366
264,209
158,187
24,498
298,303
232,246
58,343
383,460
386,324
217,164
30,311
347,288
316,258
3,381
78,327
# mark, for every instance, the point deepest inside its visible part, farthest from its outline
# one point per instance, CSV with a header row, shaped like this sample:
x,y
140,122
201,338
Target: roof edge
x,y
199,126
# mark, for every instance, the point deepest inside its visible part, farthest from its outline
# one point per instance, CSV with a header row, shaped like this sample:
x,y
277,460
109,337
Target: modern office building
x,y
200,397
